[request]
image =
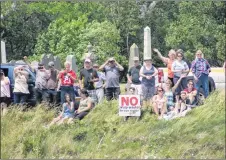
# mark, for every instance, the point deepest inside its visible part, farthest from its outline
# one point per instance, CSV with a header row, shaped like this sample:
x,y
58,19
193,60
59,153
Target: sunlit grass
x,y
103,134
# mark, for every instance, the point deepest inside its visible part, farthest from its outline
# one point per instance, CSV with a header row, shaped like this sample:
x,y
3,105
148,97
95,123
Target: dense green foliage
x,y
65,28
103,134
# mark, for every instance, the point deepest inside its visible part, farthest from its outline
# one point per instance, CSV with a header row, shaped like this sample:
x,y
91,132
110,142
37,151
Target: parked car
x,y
8,69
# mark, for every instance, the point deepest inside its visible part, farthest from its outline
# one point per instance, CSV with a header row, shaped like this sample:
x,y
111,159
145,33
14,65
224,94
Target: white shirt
x,y
182,65
102,78
5,89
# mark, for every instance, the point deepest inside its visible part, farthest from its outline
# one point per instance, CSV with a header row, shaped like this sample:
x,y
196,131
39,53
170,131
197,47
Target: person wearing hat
x,y
148,73
133,76
168,61
111,68
52,83
5,92
88,76
100,83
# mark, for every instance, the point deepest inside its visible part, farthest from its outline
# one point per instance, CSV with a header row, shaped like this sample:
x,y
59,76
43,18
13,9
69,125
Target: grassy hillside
x,y
103,134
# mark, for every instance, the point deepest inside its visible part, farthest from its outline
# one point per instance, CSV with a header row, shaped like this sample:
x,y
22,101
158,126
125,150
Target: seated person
x,y
85,105
183,103
191,93
67,112
159,103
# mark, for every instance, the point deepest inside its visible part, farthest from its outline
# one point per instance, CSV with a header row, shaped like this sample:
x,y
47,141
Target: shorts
x,y
5,100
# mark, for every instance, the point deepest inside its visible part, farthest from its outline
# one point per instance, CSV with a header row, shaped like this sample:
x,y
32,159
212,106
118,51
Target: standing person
x,y
168,61
148,73
20,90
52,83
111,68
133,76
179,67
200,69
100,83
87,78
42,76
67,78
5,92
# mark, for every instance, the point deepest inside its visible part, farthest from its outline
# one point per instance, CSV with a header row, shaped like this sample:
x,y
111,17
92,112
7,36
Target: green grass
x,y
103,134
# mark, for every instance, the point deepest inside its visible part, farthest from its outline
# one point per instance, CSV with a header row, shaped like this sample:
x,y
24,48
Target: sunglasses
x,y
95,67
198,54
179,56
160,90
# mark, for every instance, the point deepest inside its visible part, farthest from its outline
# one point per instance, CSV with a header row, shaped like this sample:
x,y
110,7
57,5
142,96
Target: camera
x,y
40,67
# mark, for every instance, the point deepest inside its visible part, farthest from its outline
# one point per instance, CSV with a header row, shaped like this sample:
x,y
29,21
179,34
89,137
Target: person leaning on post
x,y
111,68
67,78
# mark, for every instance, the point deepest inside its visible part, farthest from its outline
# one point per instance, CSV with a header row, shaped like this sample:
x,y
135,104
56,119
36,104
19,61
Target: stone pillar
x,y
3,52
147,43
134,52
57,63
72,60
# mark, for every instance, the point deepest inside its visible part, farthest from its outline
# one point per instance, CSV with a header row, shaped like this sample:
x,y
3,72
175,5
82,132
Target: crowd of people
x,y
95,82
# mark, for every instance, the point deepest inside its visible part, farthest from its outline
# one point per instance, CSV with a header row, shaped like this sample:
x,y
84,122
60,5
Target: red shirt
x,y
66,80
186,90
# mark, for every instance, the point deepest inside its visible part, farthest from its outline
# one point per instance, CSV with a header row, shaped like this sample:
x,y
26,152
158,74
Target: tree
x,y
199,26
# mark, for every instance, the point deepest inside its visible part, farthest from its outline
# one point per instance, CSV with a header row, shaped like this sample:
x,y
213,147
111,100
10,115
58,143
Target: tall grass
x,y
103,134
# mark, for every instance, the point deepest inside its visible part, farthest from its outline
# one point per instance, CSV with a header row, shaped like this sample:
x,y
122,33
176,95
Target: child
x,y
67,112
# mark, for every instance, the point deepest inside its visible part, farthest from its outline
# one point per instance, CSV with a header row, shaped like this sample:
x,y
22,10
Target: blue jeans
x,y
67,90
19,98
204,81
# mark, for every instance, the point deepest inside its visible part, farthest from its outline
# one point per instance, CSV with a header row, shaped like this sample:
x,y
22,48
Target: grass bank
x,y
103,134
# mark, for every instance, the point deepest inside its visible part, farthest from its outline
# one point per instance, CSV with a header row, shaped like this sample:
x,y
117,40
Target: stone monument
x,y
134,52
72,60
147,43
3,52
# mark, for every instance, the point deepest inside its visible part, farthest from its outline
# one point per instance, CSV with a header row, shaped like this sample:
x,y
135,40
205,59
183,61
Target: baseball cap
x,y
111,59
87,60
136,59
95,65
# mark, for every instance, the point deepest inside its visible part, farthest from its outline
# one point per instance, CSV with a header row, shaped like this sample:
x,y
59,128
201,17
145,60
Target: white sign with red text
x,y
129,105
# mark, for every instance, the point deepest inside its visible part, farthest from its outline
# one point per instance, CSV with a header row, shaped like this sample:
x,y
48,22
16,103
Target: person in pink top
x,y
168,61
159,103
5,92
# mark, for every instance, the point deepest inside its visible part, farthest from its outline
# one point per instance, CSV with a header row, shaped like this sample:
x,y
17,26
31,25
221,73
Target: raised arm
x,y
178,82
164,59
26,61
119,66
103,65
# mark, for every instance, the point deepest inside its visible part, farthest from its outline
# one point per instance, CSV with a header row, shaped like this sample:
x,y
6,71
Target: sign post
x,y
129,105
